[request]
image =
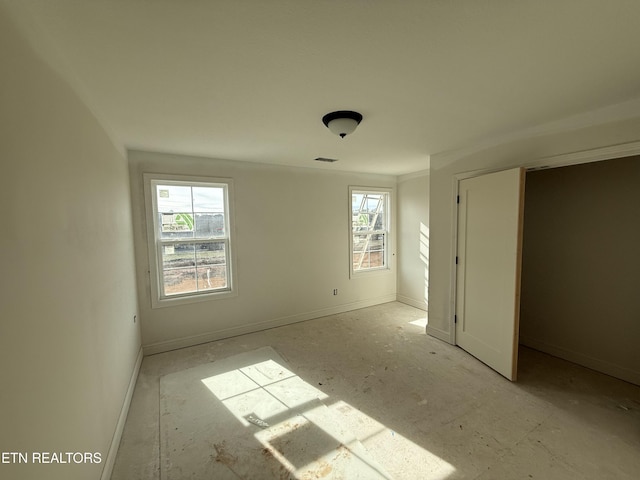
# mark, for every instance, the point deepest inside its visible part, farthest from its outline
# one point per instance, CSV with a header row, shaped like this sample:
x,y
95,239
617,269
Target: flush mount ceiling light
x,y
325,159
343,122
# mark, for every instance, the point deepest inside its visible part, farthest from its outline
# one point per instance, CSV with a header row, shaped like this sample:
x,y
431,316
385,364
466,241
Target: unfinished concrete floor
x,y
437,412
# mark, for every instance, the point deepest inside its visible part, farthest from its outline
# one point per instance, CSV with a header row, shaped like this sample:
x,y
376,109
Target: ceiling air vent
x,y
328,160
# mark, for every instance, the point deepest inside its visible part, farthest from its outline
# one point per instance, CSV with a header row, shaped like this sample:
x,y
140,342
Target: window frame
x,y
387,231
155,243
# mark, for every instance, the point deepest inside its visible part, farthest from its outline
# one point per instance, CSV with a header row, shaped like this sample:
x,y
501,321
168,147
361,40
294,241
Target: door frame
x,y
554,161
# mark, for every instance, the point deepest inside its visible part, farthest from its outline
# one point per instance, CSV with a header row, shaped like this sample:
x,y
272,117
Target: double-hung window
x,y
189,228
369,229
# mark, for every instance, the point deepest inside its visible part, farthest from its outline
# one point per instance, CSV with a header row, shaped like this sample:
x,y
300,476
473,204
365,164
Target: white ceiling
x,y
251,79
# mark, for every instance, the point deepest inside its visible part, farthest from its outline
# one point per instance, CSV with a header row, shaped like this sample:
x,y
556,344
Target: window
x,y
189,236
369,229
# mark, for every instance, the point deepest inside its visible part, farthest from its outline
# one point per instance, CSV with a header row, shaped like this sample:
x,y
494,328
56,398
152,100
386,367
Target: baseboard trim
x,y
602,366
422,305
190,341
439,334
110,460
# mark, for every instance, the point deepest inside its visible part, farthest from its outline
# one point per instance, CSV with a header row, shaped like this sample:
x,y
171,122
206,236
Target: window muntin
x,y
191,238
369,230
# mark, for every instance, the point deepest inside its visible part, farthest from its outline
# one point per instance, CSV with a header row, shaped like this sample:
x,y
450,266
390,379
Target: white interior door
x,y
490,212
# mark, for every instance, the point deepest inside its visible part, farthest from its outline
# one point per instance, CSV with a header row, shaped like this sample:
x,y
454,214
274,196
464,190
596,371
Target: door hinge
x,y
455,319
458,199
456,259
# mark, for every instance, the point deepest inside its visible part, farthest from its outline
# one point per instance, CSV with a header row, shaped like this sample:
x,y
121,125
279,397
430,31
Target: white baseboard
x,y
421,304
110,460
440,334
597,364
190,341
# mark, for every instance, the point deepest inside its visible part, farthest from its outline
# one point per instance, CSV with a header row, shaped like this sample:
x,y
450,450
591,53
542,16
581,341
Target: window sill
x,y
189,299
370,273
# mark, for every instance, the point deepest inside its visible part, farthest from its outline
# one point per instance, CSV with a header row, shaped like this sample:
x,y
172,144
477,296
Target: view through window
x,y
370,229
191,226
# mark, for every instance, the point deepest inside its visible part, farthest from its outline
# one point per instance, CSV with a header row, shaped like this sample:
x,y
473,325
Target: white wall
x,y
292,247
413,239
580,265
68,344
527,151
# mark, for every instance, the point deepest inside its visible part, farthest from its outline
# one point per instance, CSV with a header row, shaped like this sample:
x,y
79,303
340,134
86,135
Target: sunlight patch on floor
x,y
420,322
310,437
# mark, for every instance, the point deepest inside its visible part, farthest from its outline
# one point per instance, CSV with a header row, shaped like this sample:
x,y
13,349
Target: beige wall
x,y
68,344
535,150
581,264
413,239
292,247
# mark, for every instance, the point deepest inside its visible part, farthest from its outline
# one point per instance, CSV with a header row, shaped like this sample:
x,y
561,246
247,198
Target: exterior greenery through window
x,y
191,237
370,229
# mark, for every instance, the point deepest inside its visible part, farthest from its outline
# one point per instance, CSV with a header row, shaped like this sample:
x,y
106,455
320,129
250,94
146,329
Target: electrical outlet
x,y
335,291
